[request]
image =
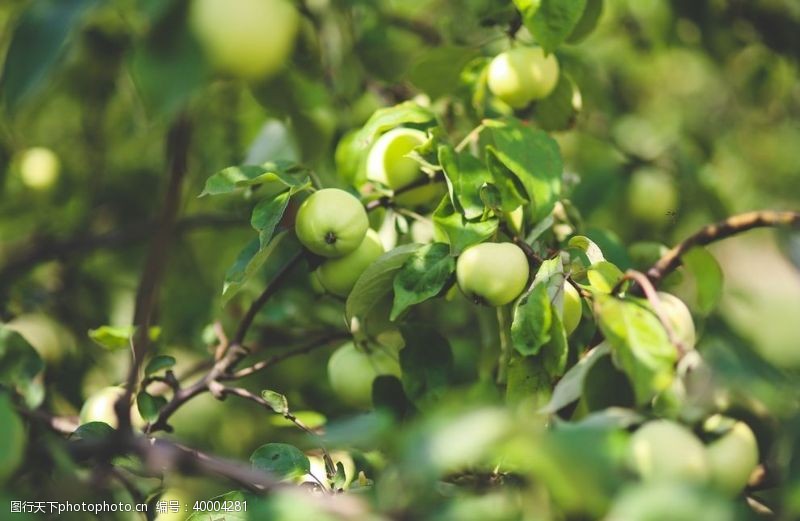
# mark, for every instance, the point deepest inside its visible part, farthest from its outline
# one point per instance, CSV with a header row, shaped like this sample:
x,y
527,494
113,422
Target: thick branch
x,y
721,230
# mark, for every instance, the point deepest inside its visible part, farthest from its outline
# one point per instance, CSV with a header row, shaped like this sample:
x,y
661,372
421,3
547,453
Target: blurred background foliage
x,y
696,102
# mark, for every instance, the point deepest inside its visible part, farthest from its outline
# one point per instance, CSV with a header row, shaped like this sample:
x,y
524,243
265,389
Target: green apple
x,y
99,407
351,372
387,161
51,340
680,318
732,458
571,316
331,222
12,438
662,450
523,74
338,276
669,501
652,196
492,273
39,168
250,39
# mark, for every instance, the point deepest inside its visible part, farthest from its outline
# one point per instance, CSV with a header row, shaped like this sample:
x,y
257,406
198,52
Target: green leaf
x,y
527,379
388,118
276,401
149,405
422,276
707,275
13,438
438,69
532,156
388,394
157,363
92,431
281,173
512,193
460,232
267,214
553,21
377,281
252,258
465,176
280,459
427,364
570,387
118,337
560,109
168,67
639,344
604,276
532,323
554,353
584,251
37,44
588,21
20,364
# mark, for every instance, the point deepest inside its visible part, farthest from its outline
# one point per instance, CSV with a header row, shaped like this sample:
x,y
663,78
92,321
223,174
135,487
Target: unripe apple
x,y
652,195
680,318
492,273
732,458
331,222
662,450
250,39
99,407
573,308
39,168
338,276
523,74
352,371
387,161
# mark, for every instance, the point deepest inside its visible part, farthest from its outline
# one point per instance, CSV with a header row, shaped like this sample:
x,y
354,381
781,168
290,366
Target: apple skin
x,y
249,39
732,458
492,273
652,196
680,318
331,222
39,168
99,407
387,162
352,371
523,74
573,308
662,450
338,276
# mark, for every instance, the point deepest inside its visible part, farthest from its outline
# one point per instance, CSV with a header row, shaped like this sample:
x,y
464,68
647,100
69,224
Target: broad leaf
x,y
118,337
438,69
37,44
19,366
588,21
604,276
707,275
532,323
427,364
149,405
281,173
158,363
551,21
509,187
376,282
465,175
92,431
560,109
532,156
280,459
284,246
638,343
570,387
460,232
554,354
388,118
276,401
527,379
267,214
584,250
422,276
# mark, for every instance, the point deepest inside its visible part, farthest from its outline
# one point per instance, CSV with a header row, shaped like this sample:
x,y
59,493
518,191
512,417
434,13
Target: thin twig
x,y
715,232
269,362
388,202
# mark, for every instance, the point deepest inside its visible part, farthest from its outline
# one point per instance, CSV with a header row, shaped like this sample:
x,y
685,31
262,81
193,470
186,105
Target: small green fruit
x,y
331,222
387,162
573,308
662,450
652,196
99,407
250,39
338,276
680,318
492,273
732,458
352,371
522,74
39,168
